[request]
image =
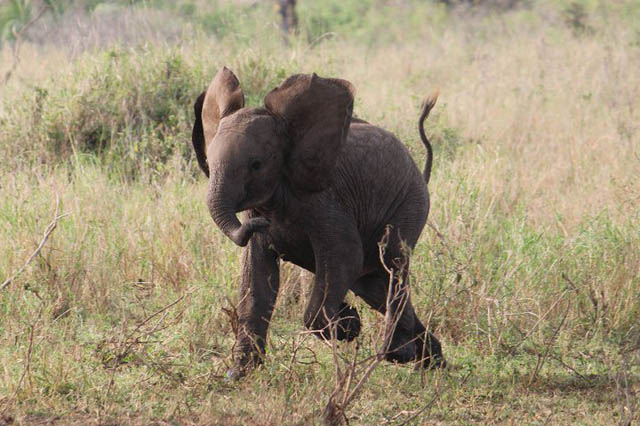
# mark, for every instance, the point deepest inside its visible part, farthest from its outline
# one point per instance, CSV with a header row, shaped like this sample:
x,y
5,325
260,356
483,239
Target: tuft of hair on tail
x,y
427,105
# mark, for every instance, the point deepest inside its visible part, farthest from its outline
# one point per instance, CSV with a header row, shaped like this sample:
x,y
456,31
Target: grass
x,y
528,272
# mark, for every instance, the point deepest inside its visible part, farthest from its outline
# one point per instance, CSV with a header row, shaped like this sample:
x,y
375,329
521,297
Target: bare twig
x,y
525,336
146,320
397,297
460,265
18,39
627,401
232,313
47,233
296,347
433,400
27,362
550,344
123,348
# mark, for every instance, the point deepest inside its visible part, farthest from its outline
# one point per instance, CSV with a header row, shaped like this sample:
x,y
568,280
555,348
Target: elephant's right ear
x,y
223,97
197,135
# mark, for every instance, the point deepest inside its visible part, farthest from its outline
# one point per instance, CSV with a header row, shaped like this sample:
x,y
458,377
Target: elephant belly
x,y
293,247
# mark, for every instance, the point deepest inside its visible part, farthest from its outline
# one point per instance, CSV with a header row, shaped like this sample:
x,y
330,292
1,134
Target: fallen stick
x,y
47,233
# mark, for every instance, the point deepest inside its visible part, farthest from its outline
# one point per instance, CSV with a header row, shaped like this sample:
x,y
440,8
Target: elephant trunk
x,y
222,203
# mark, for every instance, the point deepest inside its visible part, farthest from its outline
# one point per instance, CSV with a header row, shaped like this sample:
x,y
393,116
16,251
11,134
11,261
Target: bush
x,y
368,21
576,18
131,109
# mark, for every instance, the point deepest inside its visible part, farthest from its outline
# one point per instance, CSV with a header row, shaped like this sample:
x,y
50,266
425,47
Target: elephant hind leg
x,y
410,341
428,349
373,289
348,323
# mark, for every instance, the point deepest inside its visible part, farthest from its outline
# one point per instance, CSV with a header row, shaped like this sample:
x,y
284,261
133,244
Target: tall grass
x,y
528,271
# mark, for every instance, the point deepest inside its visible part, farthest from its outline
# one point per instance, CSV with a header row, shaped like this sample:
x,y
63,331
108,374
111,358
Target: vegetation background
x,y
529,270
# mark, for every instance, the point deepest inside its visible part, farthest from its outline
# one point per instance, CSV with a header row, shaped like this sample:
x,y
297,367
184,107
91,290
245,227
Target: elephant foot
x,y
243,367
424,350
430,363
348,323
429,352
401,353
249,354
234,374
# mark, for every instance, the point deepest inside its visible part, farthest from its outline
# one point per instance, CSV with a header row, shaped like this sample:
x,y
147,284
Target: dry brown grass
x,y
529,271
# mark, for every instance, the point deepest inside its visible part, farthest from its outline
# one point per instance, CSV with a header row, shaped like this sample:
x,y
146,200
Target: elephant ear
x,y
317,112
223,97
197,135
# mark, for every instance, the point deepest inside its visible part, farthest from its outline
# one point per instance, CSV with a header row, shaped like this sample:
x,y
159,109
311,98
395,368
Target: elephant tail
x,y
427,105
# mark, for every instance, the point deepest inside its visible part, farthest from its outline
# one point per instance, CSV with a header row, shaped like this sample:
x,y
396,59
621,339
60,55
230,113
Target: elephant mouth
x,y
244,205
265,203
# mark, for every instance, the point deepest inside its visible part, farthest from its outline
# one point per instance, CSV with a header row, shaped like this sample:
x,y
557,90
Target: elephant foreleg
x,y
258,293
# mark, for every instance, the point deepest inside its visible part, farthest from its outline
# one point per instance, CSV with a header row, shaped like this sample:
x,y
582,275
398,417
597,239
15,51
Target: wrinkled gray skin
x,y
318,189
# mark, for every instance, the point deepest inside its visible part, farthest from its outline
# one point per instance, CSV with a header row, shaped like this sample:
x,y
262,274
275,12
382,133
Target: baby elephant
x,y
320,189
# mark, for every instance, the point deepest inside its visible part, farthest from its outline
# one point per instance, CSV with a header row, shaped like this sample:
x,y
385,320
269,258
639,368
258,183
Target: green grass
x,y
529,269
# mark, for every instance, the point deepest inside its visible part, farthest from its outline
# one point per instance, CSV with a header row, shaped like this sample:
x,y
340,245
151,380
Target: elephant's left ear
x,y
317,112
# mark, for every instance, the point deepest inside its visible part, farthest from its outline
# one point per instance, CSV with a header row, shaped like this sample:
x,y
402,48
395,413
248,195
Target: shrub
x,y
132,109
129,108
576,18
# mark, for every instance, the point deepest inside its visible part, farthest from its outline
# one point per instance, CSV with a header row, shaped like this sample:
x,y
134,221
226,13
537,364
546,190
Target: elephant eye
x,y
255,165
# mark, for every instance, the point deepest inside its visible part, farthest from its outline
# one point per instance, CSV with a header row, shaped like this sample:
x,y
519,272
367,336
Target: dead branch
x,y
297,346
27,363
541,360
131,342
433,400
47,233
397,297
18,39
625,395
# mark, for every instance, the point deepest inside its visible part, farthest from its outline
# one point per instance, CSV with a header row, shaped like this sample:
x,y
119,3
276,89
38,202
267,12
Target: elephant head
x,y
249,154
